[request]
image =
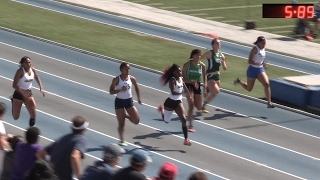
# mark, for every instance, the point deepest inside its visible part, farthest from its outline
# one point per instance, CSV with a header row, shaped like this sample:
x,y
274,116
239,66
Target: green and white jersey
x,y
194,72
214,63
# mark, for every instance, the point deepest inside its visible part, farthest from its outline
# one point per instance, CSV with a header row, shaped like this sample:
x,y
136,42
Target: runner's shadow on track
x,y
173,119
223,115
258,117
156,135
156,149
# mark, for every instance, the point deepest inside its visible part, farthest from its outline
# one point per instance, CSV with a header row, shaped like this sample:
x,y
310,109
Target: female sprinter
x,y
215,59
191,73
22,84
256,69
173,76
121,85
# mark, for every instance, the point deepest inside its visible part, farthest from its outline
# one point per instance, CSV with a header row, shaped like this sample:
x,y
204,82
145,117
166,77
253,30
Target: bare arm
x,y
113,85
223,62
186,90
16,79
206,55
41,154
75,160
204,76
3,142
38,80
136,87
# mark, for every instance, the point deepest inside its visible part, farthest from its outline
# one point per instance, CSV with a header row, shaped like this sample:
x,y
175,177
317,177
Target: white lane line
x,y
180,136
169,7
176,160
97,89
157,35
150,88
40,129
198,14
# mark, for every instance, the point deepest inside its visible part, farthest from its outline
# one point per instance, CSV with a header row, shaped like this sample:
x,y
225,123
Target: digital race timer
x,y
287,10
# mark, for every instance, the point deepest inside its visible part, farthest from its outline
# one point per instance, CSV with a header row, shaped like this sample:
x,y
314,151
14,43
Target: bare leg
x,y
121,122
16,108
31,107
214,90
180,111
249,84
263,78
133,115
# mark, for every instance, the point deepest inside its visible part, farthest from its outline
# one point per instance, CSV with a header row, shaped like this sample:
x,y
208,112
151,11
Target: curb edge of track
x,y
148,69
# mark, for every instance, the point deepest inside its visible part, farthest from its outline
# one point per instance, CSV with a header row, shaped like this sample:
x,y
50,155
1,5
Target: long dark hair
x,y
259,39
23,59
168,74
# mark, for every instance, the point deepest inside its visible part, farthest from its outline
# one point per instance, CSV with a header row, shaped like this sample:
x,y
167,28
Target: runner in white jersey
x,y
257,64
173,76
22,84
121,86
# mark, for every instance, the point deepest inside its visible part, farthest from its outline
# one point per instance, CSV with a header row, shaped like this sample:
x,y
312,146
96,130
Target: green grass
x,y
233,16
148,51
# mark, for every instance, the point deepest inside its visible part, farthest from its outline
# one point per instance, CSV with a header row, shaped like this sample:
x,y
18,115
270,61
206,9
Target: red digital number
x,y
310,10
301,11
288,11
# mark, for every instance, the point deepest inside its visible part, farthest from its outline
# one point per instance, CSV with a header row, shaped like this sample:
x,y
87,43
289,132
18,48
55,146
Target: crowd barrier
x,y
301,91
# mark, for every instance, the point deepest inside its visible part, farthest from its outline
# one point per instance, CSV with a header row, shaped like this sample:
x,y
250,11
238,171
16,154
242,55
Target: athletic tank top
x,y
214,63
194,72
259,57
25,82
178,88
128,84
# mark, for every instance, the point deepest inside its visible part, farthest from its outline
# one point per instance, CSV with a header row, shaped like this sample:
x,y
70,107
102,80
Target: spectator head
x,y
168,171
14,140
42,170
3,109
112,154
32,135
79,125
198,176
139,159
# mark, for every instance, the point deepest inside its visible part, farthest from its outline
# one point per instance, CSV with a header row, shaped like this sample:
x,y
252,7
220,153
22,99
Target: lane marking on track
x,y
177,30
151,127
149,88
176,160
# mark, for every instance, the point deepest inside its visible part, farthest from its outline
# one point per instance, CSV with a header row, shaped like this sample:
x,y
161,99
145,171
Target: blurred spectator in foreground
x,y
10,156
66,153
3,142
104,170
42,170
25,154
168,171
198,176
138,163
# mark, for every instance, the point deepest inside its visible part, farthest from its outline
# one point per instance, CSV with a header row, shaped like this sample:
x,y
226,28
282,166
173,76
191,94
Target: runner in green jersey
x,y
214,60
191,72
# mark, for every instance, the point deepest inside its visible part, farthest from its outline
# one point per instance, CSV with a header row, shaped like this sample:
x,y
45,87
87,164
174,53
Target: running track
x,y
254,143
